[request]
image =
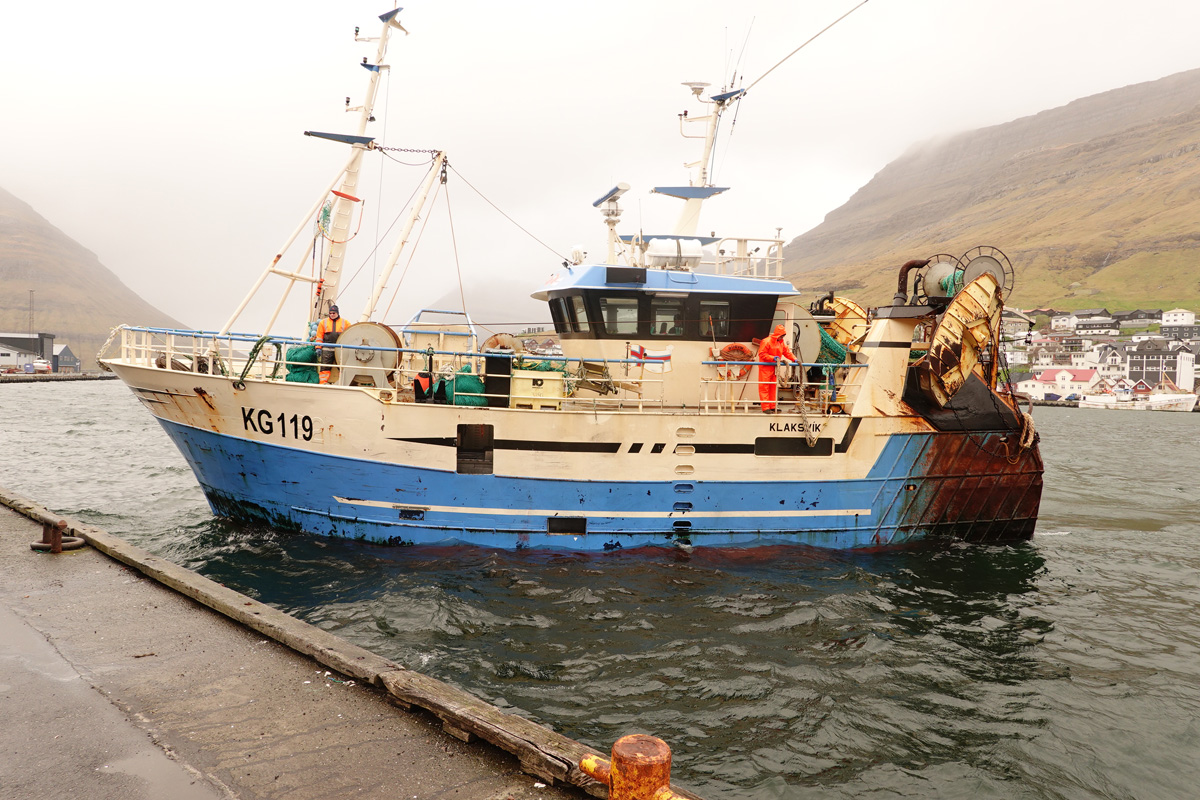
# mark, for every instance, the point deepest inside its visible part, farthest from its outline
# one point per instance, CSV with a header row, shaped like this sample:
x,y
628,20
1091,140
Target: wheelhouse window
x,y
666,317
579,318
714,319
608,314
750,317
560,314
620,314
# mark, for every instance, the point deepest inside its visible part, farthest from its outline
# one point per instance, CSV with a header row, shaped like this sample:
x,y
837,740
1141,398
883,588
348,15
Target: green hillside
x,y
1095,203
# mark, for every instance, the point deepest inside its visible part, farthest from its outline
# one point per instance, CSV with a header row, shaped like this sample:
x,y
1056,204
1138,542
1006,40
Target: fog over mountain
x,y
1094,202
75,296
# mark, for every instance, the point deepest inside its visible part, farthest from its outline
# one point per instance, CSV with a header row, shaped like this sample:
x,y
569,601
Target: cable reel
x,y
988,259
930,287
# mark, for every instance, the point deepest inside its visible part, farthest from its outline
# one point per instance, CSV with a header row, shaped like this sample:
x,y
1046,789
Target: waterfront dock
x,y
54,377
1075,404
127,676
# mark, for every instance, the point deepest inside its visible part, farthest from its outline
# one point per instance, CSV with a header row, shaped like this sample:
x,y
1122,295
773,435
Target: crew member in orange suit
x,y
772,349
328,331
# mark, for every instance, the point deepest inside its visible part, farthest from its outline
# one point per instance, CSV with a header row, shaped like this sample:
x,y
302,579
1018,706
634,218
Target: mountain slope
x,y
75,296
1095,203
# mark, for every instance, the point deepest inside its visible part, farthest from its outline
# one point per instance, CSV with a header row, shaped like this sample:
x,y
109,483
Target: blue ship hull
x,y
917,489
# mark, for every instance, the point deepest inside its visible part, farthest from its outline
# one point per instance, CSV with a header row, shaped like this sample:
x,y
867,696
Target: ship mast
x,y
345,182
699,190
331,273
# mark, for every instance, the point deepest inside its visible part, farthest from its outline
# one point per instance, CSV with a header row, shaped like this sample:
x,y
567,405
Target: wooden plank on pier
x,y
547,754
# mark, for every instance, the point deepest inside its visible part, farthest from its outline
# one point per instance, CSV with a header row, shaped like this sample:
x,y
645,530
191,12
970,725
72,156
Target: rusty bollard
x,y
640,769
55,540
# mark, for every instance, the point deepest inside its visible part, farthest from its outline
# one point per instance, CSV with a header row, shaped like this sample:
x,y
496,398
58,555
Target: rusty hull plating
x,y
974,486
979,478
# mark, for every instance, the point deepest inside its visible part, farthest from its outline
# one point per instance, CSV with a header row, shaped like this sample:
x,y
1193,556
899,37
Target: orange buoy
x,y
735,352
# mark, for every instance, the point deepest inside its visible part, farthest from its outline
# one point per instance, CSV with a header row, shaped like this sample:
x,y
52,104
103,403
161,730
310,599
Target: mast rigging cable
x,y
806,44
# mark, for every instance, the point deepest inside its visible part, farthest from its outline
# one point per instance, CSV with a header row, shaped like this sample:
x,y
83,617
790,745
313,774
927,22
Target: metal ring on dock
x,y
68,543
55,538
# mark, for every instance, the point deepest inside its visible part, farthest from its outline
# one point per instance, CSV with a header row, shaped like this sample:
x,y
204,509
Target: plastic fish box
x,y
530,388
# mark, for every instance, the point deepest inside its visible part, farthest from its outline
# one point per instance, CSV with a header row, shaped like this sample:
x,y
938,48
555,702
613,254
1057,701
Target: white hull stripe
x,y
543,512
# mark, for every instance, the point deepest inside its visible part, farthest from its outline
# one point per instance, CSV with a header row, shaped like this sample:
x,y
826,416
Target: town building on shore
x,y
1098,326
1179,316
65,361
1059,384
1139,318
1155,361
19,349
1180,333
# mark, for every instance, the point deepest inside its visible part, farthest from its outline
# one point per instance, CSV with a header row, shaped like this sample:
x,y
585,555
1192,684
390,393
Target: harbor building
x,y
1154,361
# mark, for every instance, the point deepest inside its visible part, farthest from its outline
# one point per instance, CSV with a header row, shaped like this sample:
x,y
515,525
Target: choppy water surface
x,y
1068,667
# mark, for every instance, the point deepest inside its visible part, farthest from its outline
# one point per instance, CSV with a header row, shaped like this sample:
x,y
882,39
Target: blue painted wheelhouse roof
x,y
595,276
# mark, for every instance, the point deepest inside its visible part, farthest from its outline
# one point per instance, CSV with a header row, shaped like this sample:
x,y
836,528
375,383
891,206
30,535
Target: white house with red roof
x,y
1059,383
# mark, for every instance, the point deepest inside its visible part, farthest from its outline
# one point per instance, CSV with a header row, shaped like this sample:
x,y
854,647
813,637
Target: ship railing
x,y
753,258
442,337
618,384
836,393
592,384
207,352
525,381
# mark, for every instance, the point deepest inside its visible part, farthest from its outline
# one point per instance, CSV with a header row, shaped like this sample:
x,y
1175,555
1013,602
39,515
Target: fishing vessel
x,y
1166,396
662,422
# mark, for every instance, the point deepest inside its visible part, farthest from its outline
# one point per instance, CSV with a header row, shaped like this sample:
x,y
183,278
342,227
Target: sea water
x,y
1065,667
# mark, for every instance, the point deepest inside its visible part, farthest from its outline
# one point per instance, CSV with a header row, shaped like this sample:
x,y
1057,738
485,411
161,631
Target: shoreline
x,y
1075,404
54,377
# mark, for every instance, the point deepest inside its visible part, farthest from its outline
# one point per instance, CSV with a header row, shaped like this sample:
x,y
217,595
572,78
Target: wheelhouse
x,y
610,302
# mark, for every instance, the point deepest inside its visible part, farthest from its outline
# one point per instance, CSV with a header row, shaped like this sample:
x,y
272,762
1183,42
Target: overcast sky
x,y
167,138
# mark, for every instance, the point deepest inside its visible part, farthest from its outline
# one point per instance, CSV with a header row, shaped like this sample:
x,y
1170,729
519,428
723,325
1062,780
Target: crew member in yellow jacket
x,y
328,331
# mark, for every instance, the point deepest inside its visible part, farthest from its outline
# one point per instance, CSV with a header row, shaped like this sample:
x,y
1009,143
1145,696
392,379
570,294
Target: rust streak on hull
x,y
970,487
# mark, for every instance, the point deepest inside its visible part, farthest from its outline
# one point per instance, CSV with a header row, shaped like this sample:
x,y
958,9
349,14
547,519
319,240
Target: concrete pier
x,y
54,377
116,686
